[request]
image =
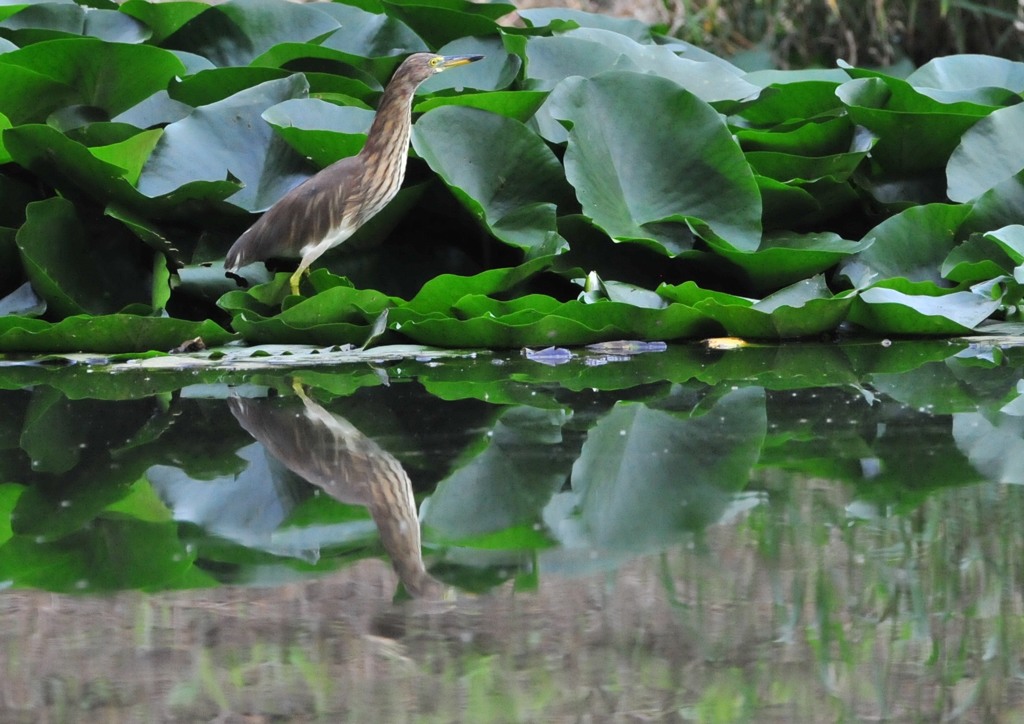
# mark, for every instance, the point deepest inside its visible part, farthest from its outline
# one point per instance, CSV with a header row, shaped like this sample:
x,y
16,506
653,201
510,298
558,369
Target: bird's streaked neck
x,y
389,132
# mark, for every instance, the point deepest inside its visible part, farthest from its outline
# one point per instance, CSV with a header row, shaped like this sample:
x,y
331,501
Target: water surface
x,y
808,532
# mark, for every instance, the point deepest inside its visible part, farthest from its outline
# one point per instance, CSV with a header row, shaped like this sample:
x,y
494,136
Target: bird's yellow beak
x,y
452,61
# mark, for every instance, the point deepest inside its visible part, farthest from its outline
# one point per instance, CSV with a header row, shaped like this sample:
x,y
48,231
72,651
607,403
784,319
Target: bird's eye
x,y
434,61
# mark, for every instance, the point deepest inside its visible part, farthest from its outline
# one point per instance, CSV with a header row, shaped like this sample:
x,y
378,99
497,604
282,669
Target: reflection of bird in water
x,y
327,451
326,209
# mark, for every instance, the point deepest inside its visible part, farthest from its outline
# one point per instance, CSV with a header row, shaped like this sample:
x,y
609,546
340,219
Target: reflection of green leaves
x,y
137,555
505,484
590,462
993,443
9,494
646,476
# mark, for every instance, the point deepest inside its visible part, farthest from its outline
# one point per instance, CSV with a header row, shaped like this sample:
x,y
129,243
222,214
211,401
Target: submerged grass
x,y
809,608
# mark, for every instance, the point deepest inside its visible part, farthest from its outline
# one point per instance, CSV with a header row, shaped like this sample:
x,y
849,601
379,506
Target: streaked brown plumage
x,y
329,452
326,209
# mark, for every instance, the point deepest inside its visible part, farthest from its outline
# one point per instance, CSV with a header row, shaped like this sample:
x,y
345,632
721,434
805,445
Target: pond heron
x,y
329,207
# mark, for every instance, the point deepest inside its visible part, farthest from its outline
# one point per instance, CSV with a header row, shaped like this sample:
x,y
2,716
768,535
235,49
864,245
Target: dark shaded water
x,y
810,532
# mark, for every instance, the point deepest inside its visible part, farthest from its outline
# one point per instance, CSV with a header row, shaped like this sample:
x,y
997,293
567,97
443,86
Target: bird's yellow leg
x,y
297,276
294,281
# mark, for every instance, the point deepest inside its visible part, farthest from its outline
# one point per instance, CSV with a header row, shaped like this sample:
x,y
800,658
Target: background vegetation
x,y
804,33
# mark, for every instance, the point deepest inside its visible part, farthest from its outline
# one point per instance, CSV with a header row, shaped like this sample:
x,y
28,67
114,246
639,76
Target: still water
x,y
798,533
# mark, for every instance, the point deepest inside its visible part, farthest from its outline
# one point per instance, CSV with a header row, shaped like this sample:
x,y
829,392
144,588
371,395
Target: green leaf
x,y
163,19
989,153
48,21
804,309
27,95
158,109
337,314
501,171
966,75
370,35
561,18
442,21
76,267
5,122
440,293
799,103
130,154
897,306
75,169
916,133
911,245
645,182
229,139
84,71
319,130
824,137
540,321
985,256
460,311
589,52
784,258
105,333
974,260
236,32
519,105
800,167
210,85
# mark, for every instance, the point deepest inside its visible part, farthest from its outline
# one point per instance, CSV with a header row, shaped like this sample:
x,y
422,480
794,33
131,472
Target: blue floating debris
x,y
548,356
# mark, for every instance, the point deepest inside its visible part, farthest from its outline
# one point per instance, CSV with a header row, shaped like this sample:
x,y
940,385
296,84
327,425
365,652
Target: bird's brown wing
x,y
303,216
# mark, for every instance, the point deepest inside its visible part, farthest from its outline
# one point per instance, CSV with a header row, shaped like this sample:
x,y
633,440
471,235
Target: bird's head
x,y
420,66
